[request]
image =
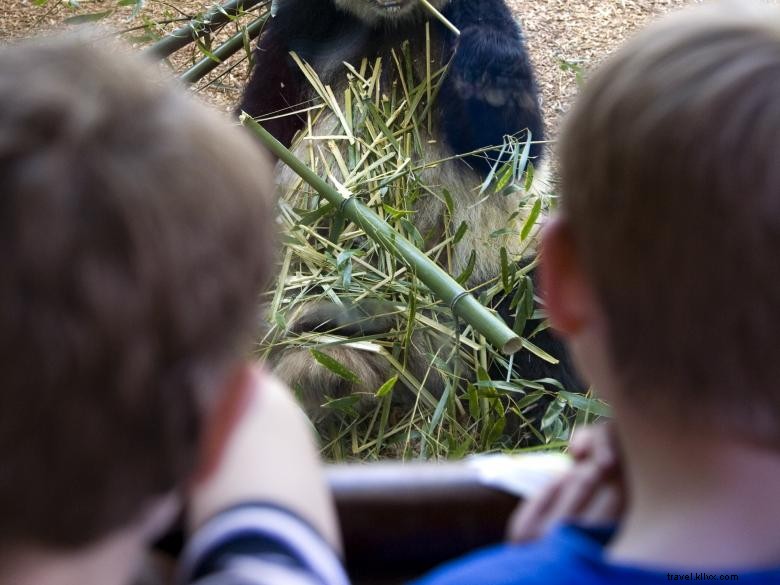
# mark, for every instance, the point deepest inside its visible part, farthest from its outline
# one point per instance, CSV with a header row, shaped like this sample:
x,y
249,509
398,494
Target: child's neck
x,y
113,561
697,502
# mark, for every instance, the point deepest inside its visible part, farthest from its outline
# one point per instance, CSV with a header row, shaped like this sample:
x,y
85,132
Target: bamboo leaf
x,y
505,277
586,404
335,366
345,404
460,232
552,414
464,276
496,430
501,385
412,232
387,388
473,398
505,176
530,222
539,352
86,18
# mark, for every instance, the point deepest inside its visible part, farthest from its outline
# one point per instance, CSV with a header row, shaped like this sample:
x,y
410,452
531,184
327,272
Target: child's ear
x,y
225,413
567,294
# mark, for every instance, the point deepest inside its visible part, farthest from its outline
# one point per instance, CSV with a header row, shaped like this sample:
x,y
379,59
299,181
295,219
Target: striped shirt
x,y
259,544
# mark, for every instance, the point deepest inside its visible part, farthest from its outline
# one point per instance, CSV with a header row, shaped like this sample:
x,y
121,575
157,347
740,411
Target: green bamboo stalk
x,y
223,52
440,17
199,27
463,304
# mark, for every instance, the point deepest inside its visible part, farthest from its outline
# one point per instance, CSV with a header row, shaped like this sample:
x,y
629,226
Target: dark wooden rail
x,y
400,520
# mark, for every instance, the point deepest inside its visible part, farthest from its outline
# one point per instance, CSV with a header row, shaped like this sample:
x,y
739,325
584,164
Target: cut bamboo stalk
x,y
224,51
440,17
200,26
462,303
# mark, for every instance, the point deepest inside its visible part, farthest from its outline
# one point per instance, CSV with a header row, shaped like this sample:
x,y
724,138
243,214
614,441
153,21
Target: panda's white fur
x,y
483,213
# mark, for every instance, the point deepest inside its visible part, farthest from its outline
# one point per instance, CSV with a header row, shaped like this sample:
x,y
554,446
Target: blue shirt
x,y
573,555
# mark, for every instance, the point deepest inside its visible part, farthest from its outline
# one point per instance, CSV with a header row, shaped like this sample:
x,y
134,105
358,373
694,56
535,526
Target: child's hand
x,y
270,457
591,492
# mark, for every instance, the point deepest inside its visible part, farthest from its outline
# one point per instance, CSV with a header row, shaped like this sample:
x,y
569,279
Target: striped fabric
x,y
259,544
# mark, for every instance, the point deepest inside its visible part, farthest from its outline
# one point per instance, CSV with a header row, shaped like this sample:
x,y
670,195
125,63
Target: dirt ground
x,y
563,36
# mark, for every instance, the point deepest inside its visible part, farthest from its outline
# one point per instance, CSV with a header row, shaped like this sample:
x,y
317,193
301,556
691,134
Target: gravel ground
x,y
563,36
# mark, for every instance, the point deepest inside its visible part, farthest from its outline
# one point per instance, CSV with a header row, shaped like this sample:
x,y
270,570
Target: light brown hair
x,y
672,187
136,235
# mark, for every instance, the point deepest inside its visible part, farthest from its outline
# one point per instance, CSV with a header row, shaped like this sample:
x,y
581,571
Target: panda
x,y
488,92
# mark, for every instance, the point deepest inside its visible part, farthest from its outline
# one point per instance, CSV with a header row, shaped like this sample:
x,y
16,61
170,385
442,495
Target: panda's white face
x,y
374,12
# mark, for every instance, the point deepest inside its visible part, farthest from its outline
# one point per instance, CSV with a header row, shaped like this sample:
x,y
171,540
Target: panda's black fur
x,y
491,65
489,92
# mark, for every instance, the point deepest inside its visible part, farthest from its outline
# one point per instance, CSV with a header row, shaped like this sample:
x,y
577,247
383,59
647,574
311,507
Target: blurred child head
x,y
671,198
135,230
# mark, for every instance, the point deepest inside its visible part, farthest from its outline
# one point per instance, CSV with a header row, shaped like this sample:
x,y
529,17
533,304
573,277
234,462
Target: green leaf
x,y
85,18
538,352
440,408
345,404
504,176
311,217
518,296
530,221
346,275
552,414
505,278
143,38
448,201
335,366
529,296
337,225
396,213
530,399
203,48
525,305
500,385
462,229
586,404
387,387
482,375
413,233
473,395
501,233
529,177
411,320
496,430
464,276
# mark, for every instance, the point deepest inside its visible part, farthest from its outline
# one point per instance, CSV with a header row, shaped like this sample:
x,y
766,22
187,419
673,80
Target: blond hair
x,y
672,190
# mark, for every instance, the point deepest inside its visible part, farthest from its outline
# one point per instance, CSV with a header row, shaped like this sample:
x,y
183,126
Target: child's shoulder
x,y
569,554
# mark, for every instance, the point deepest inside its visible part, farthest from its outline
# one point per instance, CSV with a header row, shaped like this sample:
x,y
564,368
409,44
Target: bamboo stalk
x,y
463,304
440,17
199,27
224,51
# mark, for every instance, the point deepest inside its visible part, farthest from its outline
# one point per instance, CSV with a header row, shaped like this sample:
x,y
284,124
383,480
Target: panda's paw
x,y
493,68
